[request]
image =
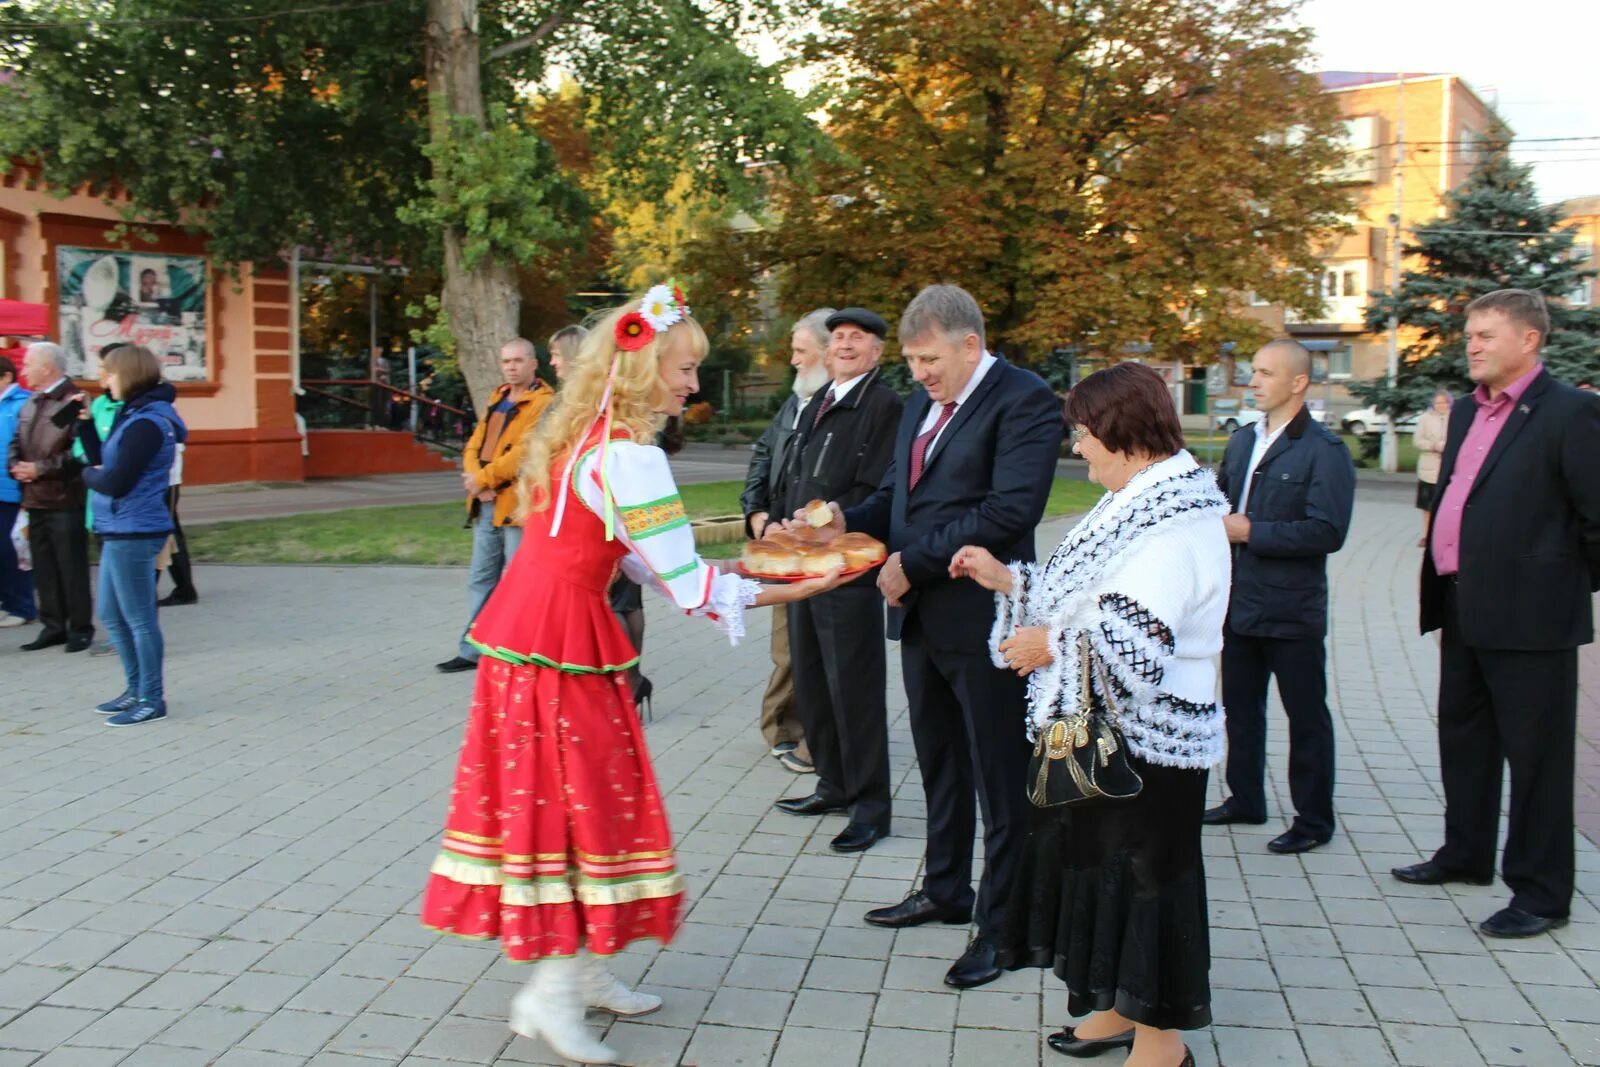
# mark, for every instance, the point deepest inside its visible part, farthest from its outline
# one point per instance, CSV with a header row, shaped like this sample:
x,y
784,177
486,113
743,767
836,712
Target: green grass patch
x,y
433,534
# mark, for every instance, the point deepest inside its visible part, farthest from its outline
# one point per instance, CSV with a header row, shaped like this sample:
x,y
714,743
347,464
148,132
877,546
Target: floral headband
x,y
662,307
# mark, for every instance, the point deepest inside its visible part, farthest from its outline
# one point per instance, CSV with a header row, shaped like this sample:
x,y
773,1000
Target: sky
x,y
1543,86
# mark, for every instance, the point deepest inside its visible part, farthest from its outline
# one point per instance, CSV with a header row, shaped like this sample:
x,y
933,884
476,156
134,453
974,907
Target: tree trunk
x,y
481,301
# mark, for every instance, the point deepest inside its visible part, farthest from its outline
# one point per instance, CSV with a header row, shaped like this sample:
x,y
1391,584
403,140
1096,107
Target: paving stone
x,y
1518,1046
102,988
845,974
640,1043
128,1028
1431,1046
766,972
1344,1046
43,1028
764,1009
724,1046
387,1036
1331,1007
889,1047
829,1010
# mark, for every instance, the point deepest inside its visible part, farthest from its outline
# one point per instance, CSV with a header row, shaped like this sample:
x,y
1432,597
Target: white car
x,y
1230,421
1363,421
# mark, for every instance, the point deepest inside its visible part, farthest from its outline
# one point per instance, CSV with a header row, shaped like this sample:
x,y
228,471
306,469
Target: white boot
x,y
551,1006
601,989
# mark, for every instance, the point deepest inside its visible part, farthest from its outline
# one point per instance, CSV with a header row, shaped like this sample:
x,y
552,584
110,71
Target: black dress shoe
x,y
1225,814
77,644
1428,872
45,641
1069,1043
173,600
814,804
916,909
1514,922
455,665
858,837
975,967
1292,841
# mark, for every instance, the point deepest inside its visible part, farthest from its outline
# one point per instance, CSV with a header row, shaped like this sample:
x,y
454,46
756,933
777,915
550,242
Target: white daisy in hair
x,y
660,308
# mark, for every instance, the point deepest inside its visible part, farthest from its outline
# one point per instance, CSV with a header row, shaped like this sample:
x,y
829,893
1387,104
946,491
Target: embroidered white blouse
x,y
652,524
1146,574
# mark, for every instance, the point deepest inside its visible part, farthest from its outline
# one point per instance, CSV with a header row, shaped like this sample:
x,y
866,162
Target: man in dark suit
x,y
840,453
1513,557
765,495
974,459
1292,486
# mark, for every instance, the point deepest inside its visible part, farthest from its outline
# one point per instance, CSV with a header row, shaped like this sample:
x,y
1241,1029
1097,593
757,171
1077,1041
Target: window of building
x,y
1339,363
1583,254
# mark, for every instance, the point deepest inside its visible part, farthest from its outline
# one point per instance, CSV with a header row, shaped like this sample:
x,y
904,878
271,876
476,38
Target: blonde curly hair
x,y
639,398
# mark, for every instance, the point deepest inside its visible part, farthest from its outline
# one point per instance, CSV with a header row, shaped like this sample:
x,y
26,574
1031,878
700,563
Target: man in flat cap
x,y
840,453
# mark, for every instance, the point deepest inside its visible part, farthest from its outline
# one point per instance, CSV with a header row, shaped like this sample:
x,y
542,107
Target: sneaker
x,y
777,750
8,620
794,763
102,648
142,712
117,705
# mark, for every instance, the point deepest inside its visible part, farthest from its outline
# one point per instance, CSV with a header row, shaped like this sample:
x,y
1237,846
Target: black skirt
x,y
1112,897
625,595
1425,492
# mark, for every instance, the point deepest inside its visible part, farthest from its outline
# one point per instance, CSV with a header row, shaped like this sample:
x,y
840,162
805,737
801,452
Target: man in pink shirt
x,y
1512,559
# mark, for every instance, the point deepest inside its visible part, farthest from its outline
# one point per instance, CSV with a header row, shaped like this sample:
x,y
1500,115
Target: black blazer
x,y
1299,511
1530,532
984,483
767,458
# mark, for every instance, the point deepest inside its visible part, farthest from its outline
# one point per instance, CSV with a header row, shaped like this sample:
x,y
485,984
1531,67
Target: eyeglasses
x,y
1079,433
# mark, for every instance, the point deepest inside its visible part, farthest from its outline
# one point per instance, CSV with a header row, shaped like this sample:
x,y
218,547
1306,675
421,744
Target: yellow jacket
x,y
498,472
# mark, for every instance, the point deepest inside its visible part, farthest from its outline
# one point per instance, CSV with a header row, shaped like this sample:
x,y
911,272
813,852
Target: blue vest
x,y
143,510
10,412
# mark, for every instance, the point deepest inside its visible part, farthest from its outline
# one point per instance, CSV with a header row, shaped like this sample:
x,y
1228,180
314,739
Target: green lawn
x,y
433,535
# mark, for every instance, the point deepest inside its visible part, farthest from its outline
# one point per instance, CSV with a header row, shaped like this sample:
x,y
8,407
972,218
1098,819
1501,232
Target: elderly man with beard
x,y
765,487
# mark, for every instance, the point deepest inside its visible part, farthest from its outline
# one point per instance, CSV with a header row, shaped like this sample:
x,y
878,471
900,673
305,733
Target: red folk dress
x,y
556,836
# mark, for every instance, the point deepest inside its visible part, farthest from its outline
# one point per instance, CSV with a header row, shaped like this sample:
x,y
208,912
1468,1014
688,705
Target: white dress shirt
x,y
1264,441
966,394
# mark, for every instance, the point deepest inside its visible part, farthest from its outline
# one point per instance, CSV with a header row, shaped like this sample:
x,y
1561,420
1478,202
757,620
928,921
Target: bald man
x,y
1292,485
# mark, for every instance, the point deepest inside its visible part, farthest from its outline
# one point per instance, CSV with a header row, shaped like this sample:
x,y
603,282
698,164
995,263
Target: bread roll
x,y
859,550
764,557
819,514
819,561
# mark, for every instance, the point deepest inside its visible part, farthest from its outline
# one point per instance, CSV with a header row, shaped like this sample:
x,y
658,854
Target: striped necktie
x,y
919,447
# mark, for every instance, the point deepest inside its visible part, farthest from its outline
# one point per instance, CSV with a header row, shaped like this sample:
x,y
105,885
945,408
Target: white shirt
x,y
1264,441
934,410
840,390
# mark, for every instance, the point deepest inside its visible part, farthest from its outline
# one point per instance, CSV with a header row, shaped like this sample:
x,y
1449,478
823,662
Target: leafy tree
x,y
1493,235
1098,173
390,127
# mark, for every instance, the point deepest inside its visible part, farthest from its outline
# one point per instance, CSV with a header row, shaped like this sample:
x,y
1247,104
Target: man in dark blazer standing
x,y
838,663
1292,486
1513,557
974,458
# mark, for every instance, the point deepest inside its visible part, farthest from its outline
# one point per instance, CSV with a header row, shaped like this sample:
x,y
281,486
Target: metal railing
x,y
348,403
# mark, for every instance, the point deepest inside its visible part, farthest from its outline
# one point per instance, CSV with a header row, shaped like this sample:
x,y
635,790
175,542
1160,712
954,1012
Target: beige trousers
x,y
780,722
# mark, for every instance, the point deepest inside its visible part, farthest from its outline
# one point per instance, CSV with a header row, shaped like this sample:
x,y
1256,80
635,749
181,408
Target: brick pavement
x,y
238,885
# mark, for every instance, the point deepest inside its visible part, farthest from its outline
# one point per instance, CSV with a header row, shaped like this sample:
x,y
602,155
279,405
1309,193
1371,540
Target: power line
x,y
189,20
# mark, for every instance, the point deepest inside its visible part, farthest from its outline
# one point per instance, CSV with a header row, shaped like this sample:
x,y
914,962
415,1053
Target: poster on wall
x,y
142,298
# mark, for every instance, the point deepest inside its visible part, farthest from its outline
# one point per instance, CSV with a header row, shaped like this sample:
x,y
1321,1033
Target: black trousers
x,y
838,663
60,546
968,725
1498,707
1300,666
180,570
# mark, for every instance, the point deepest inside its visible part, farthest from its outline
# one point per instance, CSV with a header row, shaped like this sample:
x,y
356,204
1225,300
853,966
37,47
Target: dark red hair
x,y
1128,408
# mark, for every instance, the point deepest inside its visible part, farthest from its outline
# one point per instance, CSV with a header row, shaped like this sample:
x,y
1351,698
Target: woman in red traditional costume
x,y
557,840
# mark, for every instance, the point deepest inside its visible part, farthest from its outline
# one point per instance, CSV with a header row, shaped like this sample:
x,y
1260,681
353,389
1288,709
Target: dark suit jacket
x,y
1530,532
984,483
767,460
1299,512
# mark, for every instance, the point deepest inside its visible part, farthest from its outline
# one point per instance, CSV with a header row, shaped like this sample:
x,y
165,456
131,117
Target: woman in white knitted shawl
x,y
1111,893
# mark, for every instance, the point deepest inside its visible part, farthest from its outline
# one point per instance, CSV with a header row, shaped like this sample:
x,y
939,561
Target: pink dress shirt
x,y
1487,422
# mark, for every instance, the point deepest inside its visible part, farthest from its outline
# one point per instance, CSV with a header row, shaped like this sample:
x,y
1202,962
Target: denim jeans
x,y
16,584
128,610
492,549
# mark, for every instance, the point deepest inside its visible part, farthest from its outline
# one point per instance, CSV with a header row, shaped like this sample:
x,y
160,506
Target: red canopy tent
x,y
18,318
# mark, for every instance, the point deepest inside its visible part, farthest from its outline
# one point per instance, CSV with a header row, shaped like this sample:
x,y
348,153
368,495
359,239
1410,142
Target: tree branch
x,y
552,22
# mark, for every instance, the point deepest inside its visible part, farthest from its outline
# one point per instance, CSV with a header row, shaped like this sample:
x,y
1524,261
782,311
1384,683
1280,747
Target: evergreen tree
x,y
1494,235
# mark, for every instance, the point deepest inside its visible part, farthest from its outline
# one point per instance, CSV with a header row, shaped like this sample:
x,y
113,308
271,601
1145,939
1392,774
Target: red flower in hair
x,y
633,332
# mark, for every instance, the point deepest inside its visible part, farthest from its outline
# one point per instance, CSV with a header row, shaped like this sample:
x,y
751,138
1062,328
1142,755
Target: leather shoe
x,y
1225,814
1514,922
858,837
1292,841
455,665
1068,1043
45,641
1429,872
78,644
975,967
916,909
815,804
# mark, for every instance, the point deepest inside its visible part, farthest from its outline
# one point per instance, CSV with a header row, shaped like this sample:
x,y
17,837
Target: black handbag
x,y
1083,757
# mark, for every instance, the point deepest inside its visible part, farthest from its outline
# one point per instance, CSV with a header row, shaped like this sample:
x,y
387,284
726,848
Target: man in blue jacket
x,y
1292,486
16,584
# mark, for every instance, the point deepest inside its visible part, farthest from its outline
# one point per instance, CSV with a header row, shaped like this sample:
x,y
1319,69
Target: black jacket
x,y
985,483
1530,533
1299,512
843,457
762,488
